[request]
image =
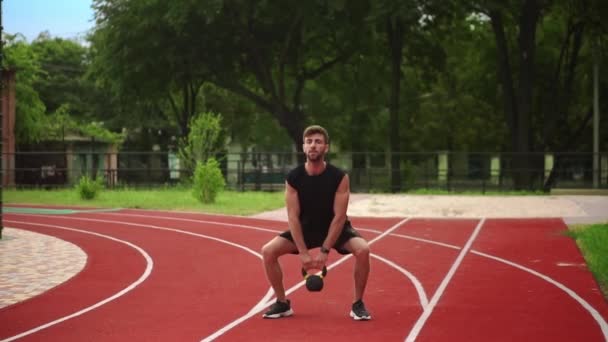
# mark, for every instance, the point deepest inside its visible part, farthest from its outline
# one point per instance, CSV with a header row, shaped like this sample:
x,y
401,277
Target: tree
x,y
517,74
265,52
460,110
575,27
538,78
145,60
407,26
62,81
30,110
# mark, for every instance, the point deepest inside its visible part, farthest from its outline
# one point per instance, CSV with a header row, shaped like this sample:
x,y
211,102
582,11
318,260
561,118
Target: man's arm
x,y
293,219
340,209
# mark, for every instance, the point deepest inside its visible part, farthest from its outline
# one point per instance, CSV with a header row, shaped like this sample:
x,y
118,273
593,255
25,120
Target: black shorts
x,y
316,240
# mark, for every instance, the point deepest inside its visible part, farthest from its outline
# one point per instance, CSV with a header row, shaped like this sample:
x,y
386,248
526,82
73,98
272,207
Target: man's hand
x,y
307,261
320,260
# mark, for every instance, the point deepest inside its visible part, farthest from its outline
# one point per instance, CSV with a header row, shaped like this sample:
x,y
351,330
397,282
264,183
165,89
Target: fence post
x,y
549,162
495,170
442,169
604,170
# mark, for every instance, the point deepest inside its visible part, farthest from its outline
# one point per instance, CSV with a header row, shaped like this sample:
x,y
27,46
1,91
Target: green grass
x,y
227,202
593,242
430,191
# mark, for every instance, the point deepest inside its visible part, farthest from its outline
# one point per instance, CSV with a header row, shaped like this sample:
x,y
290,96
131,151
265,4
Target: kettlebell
x,y
314,282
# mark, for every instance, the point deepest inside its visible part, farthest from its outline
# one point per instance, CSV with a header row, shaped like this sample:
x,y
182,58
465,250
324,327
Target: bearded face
x,y
315,147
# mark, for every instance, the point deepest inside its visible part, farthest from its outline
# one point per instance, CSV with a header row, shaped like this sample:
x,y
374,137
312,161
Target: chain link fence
x,y
368,171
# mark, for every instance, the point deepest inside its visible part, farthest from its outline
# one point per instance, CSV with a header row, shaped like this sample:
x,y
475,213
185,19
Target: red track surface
x,y
188,277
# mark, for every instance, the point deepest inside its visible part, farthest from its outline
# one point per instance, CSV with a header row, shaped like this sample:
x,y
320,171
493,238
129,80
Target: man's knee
x,y
275,248
360,248
268,250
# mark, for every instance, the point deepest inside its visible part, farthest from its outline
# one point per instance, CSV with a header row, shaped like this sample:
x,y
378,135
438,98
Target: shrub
x,y
203,139
208,181
88,188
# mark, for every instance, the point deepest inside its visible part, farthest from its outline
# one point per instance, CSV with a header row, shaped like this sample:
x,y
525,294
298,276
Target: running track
x,y
167,276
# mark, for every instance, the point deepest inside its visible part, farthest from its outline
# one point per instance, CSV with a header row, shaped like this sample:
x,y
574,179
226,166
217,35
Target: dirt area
x,y
573,209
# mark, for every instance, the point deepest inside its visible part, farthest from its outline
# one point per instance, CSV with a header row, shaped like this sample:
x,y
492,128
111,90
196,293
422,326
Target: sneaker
x,y
359,312
279,309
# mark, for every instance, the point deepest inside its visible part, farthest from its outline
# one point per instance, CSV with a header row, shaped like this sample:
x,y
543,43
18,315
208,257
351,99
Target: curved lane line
x,y
419,289
444,283
268,300
265,301
344,258
257,308
142,278
251,313
596,315
245,248
602,323
196,221
427,241
262,305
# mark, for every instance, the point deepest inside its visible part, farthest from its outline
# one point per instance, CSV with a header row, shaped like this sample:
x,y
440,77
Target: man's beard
x,y
316,157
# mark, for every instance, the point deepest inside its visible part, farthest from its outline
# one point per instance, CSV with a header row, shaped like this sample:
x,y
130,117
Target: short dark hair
x,y
316,129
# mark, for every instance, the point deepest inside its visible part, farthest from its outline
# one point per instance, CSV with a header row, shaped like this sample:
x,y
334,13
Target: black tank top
x,y
316,195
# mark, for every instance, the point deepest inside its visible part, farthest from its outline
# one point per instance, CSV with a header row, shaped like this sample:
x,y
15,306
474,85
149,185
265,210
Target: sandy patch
x,y
572,208
465,206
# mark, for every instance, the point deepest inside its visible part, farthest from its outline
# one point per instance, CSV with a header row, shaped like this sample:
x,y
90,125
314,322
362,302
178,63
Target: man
x,y
316,195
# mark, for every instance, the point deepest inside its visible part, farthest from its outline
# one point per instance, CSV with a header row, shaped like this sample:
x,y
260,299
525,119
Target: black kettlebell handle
x,y
323,272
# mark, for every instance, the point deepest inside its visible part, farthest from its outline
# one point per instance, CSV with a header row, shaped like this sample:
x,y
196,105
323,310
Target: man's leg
x,y
271,252
360,250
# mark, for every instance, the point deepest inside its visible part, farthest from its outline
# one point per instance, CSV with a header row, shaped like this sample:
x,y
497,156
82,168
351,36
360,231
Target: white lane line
x,y
594,313
141,225
426,241
252,313
268,298
362,229
344,258
142,278
429,309
262,303
197,221
419,289
602,323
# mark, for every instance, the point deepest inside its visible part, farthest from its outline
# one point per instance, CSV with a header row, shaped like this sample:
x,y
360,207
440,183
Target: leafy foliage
x,y
61,123
88,188
202,141
208,181
63,65
271,68
30,109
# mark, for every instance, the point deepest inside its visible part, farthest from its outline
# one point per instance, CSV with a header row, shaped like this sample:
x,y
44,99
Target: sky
x,y
62,18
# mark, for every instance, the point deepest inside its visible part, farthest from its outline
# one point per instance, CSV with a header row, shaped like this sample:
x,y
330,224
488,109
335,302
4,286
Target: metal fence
x,y
368,171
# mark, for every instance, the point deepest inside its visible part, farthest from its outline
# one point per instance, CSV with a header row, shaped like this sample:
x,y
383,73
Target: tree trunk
x,y
359,120
557,108
527,52
570,141
504,72
293,122
394,27
518,104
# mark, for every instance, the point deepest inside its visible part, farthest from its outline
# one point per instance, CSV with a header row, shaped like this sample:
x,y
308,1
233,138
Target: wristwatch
x,y
324,250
